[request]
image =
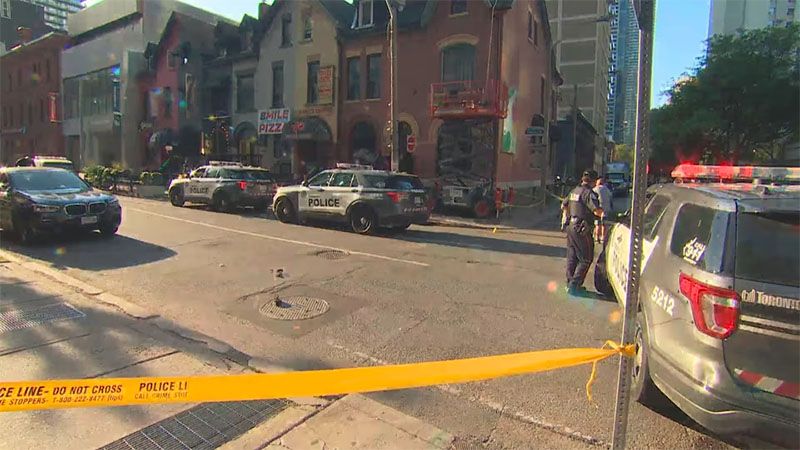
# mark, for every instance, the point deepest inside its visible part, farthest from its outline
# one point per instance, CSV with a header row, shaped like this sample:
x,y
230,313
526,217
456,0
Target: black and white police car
x,y
364,198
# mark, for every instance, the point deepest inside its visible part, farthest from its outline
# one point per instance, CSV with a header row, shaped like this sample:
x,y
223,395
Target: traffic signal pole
x,y
394,145
641,154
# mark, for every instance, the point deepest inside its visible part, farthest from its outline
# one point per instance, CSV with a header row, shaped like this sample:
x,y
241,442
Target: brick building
x,y
473,76
30,81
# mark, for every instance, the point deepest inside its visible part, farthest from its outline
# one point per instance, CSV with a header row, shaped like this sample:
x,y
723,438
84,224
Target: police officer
x,y
581,207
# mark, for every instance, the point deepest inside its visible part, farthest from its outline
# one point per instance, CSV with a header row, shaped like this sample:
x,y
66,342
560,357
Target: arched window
x,y
458,62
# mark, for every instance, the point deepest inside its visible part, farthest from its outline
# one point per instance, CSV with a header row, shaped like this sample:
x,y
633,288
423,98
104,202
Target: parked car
x,y
719,324
224,186
363,198
35,200
46,161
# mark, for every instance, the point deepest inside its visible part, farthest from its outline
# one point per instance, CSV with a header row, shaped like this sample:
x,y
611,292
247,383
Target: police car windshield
x,y
47,180
777,232
396,182
247,174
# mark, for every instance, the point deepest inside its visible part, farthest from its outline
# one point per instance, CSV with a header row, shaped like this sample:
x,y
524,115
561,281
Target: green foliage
x,y
623,153
741,104
151,179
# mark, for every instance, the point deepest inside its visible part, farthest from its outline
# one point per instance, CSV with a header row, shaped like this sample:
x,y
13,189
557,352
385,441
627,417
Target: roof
x,y
743,191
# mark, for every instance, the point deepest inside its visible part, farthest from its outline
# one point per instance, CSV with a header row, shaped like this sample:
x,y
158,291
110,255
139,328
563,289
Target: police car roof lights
x,y
736,173
225,163
353,166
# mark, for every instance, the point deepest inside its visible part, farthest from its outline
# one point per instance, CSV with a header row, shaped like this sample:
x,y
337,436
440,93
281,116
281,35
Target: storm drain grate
x,y
295,307
17,319
331,254
205,426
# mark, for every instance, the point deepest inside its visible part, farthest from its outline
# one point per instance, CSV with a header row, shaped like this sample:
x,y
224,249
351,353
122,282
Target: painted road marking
x,y
278,239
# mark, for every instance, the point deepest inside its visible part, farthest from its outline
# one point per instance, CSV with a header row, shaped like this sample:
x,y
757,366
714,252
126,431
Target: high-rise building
x,y
730,16
16,15
582,42
55,11
622,103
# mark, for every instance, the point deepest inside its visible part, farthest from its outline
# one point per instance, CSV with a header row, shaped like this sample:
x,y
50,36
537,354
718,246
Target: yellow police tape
x,y
81,393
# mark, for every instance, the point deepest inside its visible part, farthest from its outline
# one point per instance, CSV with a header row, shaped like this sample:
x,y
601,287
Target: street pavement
x,y
431,293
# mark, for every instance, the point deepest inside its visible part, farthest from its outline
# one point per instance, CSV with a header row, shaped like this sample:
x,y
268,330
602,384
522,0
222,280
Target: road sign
x,y
411,143
534,131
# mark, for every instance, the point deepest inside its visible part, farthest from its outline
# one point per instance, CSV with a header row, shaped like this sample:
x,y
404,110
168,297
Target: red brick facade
x,y
523,62
28,75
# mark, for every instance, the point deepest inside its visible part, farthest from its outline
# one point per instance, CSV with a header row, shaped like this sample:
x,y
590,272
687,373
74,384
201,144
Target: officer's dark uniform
x,y
581,204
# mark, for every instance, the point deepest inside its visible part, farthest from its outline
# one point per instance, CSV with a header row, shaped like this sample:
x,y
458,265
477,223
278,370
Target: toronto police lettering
x,y
316,202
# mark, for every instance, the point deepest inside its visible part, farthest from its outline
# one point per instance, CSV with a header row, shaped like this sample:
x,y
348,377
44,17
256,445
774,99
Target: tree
x,y
741,104
623,153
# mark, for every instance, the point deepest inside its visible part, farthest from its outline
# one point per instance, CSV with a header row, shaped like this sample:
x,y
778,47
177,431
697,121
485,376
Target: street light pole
x,y
394,144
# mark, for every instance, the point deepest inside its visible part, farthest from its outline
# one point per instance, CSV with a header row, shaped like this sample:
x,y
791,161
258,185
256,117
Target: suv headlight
x,y
46,208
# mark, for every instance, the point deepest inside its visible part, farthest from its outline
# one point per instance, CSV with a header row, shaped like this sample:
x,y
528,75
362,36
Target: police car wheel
x,y
284,211
221,202
176,197
643,389
362,220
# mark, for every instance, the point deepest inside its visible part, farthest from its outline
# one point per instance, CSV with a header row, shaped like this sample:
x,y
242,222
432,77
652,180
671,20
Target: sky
x,y
681,31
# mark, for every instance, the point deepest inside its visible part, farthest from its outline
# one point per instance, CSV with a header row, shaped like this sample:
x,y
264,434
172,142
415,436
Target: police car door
x,y
343,192
313,199
618,250
207,184
192,187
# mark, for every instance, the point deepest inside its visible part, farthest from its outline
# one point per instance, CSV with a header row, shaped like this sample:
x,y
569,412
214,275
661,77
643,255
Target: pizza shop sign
x,y
272,121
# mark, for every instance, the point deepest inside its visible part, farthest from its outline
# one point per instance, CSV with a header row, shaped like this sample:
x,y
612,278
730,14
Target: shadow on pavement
x,y
481,243
91,251
243,212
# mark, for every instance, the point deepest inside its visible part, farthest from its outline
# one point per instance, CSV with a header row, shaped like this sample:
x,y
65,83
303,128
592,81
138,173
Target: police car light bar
x,y
736,173
353,166
225,163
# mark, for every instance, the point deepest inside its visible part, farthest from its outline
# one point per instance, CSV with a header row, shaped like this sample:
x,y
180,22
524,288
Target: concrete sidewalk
x,y
49,330
522,218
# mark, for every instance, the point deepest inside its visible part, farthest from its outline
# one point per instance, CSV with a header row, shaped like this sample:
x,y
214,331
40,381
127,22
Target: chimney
x,y
25,34
263,7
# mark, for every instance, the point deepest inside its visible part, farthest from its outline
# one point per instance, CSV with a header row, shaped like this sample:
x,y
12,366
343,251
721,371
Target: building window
x,y
245,93
42,110
458,63
365,13
277,85
530,25
312,83
374,76
167,102
5,8
354,78
308,25
47,69
458,7
172,60
286,30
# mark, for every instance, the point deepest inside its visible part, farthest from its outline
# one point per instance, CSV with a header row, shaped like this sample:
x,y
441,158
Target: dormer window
x,y
365,13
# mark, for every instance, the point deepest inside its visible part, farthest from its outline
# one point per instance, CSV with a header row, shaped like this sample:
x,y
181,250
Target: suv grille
x,y
97,208
75,210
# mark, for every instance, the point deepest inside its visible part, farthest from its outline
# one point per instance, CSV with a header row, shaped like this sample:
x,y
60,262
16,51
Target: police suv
x,y
718,330
363,198
225,186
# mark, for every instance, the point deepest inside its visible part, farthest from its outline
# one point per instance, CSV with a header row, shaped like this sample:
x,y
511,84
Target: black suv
x,y
34,200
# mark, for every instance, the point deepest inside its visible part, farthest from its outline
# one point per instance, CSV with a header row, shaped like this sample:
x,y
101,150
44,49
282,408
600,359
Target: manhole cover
x,y
331,254
296,307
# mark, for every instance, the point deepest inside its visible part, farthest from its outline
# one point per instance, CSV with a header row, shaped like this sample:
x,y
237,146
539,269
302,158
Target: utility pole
x,y
645,15
573,156
393,129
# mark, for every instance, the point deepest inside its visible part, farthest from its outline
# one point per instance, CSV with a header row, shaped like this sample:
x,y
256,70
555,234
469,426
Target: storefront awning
x,y
308,128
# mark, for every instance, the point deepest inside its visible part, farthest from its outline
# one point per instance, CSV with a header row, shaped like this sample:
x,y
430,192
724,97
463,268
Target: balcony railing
x,y
469,99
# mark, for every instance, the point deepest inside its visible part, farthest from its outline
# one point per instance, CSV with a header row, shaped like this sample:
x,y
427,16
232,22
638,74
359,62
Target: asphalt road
x,y
431,293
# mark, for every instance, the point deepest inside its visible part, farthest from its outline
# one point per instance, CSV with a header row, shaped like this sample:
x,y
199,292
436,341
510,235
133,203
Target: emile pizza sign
x,y
272,121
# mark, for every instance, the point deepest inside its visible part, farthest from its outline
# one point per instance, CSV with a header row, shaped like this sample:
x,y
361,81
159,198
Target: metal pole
x,y
641,154
394,145
572,156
